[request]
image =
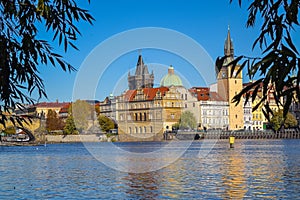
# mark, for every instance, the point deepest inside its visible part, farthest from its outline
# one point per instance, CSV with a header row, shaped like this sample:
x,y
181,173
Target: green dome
x,y
171,79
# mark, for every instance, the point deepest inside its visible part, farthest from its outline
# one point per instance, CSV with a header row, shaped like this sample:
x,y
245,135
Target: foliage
x,y
187,120
105,123
280,57
53,122
175,126
278,120
23,51
82,113
70,128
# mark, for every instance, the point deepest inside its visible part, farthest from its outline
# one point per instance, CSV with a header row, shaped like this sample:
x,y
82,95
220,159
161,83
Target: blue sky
x,y
206,22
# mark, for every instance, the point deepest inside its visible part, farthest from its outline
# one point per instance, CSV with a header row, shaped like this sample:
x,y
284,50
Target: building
x,y
142,78
145,114
212,108
247,106
43,108
171,79
214,112
229,84
108,107
189,99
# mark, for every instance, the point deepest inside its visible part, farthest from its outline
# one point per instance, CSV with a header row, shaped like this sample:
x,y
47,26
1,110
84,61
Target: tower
x,y
142,78
229,86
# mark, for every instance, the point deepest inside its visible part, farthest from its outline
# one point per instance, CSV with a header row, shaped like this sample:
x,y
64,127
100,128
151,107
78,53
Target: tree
x,y
278,120
70,127
83,113
187,120
280,58
23,51
106,123
53,122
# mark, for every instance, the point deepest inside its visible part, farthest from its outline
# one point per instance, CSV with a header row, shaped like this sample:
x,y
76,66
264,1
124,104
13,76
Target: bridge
x,y
29,128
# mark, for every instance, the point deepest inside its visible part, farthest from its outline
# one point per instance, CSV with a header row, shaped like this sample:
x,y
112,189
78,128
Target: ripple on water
x,y
253,169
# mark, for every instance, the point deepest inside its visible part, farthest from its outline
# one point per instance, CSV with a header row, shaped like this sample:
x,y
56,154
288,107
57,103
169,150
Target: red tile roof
x,y
213,96
150,93
65,109
201,92
51,104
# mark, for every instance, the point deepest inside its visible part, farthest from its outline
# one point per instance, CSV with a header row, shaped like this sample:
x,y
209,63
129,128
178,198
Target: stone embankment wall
x,y
72,138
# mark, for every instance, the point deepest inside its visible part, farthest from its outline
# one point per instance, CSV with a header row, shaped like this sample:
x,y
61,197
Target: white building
x,y
247,114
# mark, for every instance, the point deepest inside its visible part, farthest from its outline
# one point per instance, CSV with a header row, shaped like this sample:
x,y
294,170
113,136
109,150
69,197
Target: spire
x,y
228,47
140,61
139,66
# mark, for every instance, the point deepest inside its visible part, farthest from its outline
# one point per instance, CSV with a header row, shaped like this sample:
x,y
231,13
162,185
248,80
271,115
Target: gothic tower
x,y
229,86
142,78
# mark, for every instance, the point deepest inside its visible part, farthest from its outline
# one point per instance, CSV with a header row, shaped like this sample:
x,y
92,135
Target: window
x,y
145,117
130,131
145,129
185,96
151,129
172,116
141,130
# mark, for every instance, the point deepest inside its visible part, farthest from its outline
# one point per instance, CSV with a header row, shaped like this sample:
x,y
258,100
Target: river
x,y
254,169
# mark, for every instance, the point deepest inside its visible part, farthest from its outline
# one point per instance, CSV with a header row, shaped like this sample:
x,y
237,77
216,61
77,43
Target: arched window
x,y
141,130
145,129
145,117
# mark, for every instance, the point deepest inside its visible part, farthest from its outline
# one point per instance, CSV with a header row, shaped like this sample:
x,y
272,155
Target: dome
x,y
171,79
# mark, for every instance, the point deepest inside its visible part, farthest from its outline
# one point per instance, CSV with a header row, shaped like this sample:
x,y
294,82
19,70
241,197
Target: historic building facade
x,y
145,114
142,78
248,122
108,107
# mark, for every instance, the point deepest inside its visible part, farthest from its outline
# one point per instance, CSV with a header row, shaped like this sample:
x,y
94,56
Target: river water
x,y
254,169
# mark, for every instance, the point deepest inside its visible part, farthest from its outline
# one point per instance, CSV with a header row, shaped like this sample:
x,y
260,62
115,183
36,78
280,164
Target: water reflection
x,y
252,170
142,185
234,177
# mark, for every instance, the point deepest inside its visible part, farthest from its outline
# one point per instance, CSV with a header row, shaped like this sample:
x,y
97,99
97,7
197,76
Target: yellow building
x,y
258,115
229,84
43,108
145,114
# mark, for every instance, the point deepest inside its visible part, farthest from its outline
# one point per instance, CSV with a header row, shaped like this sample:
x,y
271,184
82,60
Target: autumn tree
x,y
23,50
105,123
53,122
279,63
278,120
